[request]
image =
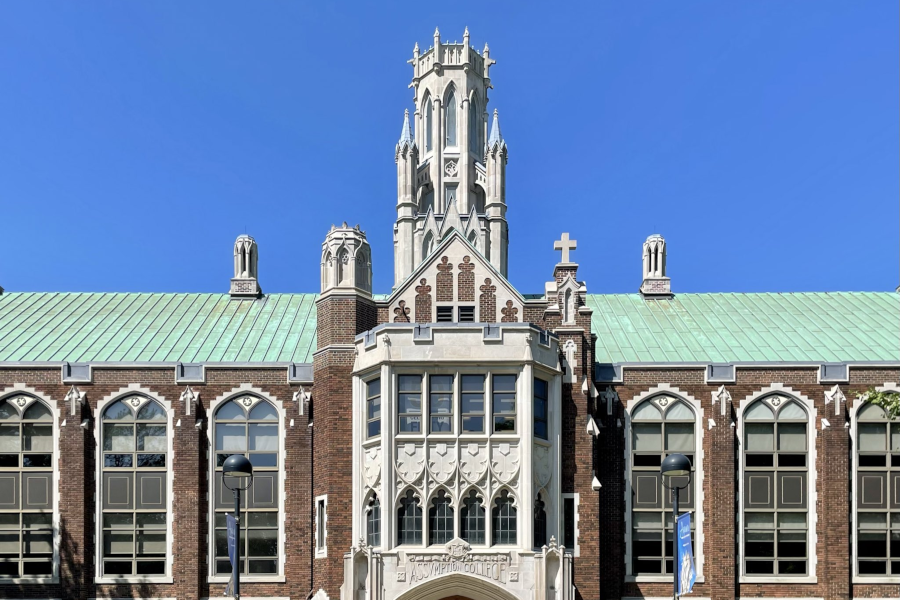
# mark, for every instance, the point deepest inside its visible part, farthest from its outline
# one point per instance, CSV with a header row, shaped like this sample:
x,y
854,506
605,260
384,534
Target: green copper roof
x,y
186,328
704,328
727,328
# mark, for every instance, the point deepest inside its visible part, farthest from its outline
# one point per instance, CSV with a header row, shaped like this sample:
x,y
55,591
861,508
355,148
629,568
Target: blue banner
x,y
684,555
231,529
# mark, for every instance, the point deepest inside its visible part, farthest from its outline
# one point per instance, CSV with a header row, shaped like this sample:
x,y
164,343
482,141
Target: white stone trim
x,y
812,479
21,388
128,390
245,388
662,389
321,552
858,403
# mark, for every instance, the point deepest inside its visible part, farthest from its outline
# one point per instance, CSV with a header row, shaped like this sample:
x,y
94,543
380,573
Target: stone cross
x,y
566,245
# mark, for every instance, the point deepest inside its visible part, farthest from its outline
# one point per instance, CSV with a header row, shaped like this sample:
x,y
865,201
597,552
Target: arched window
x,y
429,123
474,129
451,119
472,515
540,523
250,426
504,520
440,519
26,461
409,520
133,487
775,488
877,492
659,426
373,522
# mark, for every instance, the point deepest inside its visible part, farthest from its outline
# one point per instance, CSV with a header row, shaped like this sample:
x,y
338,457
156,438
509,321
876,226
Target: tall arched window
x,y
877,493
451,119
26,465
440,519
133,487
250,426
373,522
472,516
540,523
474,126
429,123
659,426
409,520
775,492
504,520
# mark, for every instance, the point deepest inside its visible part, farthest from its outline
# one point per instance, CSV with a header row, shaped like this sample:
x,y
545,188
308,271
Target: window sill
x,y
134,579
30,581
247,579
862,579
655,579
775,579
321,553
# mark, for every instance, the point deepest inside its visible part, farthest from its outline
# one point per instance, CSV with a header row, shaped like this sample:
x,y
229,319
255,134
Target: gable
x,y
455,275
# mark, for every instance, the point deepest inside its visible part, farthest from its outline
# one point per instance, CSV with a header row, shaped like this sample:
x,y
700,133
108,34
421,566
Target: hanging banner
x,y
684,555
231,533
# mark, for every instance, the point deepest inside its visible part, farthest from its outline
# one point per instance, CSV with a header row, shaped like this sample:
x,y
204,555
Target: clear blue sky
x,y
138,139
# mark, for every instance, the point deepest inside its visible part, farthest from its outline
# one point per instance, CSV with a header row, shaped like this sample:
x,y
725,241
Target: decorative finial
x,y
466,36
486,50
416,48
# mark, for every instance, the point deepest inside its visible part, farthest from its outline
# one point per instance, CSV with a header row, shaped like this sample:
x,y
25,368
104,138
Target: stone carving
x,y
465,288
442,461
423,302
410,461
611,397
451,169
401,313
487,302
473,462
504,461
456,559
542,467
21,401
510,313
372,466
444,280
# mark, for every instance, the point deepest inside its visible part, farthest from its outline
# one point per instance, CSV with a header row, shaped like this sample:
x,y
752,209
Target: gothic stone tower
x,y
451,173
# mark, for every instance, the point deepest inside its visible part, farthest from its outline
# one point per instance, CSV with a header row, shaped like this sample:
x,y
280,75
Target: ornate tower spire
x,y
446,163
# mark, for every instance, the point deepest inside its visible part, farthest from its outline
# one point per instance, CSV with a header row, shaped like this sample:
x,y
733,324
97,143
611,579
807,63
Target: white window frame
x,y
664,389
244,389
24,390
812,477
132,390
321,546
889,386
576,497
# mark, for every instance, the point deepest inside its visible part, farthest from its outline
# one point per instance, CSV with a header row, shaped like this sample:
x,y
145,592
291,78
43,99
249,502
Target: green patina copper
x,y
704,328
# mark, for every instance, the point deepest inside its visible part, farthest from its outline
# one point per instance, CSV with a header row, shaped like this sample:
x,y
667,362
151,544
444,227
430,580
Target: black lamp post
x,y
675,465
237,466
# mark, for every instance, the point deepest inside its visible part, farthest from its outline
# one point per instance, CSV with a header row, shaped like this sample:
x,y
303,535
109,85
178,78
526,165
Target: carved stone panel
x,y
543,469
442,461
410,461
372,466
504,460
473,461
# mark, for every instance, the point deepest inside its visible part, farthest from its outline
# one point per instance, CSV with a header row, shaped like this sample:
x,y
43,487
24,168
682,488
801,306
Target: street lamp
x,y
675,465
238,467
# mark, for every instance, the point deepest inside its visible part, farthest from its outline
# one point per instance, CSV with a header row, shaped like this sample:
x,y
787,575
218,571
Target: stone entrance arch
x,y
457,586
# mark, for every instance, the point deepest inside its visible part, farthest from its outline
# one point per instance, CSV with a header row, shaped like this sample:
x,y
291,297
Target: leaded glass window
x,y
133,488
775,491
250,426
472,403
440,519
503,527
26,477
409,520
540,523
473,519
440,403
540,409
373,408
877,493
451,119
504,403
373,522
660,426
409,403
